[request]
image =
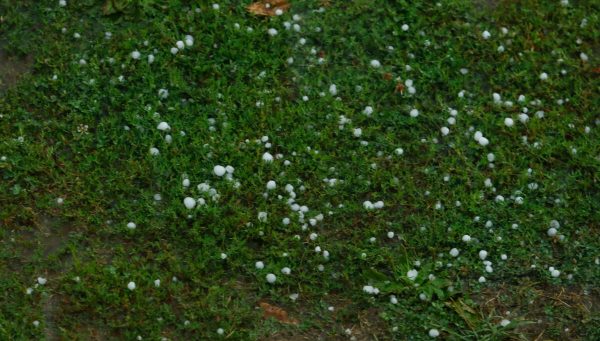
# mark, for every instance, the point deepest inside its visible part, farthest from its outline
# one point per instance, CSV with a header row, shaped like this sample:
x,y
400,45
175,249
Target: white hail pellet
x,y
189,203
267,157
375,63
219,170
163,126
131,285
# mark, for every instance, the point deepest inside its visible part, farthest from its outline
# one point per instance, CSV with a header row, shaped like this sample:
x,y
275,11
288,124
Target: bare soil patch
x,y
12,68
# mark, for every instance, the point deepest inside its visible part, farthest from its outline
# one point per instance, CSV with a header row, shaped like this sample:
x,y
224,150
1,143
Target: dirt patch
x,y
348,322
546,311
49,238
371,326
41,240
55,307
486,4
50,306
12,69
53,234
315,335
38,236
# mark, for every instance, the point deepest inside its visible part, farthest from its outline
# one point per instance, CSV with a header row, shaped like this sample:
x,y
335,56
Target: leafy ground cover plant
x,y
322,170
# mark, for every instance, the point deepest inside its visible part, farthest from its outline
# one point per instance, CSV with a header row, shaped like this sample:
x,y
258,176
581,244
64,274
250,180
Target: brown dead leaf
x,y
268,7
277,313
399,88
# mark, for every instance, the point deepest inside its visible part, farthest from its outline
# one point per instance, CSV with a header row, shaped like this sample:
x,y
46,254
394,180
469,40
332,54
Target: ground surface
x,y
404,170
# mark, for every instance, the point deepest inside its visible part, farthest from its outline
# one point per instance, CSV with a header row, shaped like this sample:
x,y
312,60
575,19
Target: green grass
x,y
433,194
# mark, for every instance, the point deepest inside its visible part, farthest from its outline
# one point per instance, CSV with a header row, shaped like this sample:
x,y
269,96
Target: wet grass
x,y
80,116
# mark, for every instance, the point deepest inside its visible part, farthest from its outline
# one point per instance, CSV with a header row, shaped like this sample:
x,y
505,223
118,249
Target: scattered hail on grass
x,y
371,206
366,130
371,290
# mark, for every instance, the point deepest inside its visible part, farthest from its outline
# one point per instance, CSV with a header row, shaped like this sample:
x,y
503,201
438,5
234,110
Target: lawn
x,y
312,170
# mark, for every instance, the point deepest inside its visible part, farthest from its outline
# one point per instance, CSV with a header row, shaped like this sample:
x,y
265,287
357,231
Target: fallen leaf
x,y
277,313
268,7
399,88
